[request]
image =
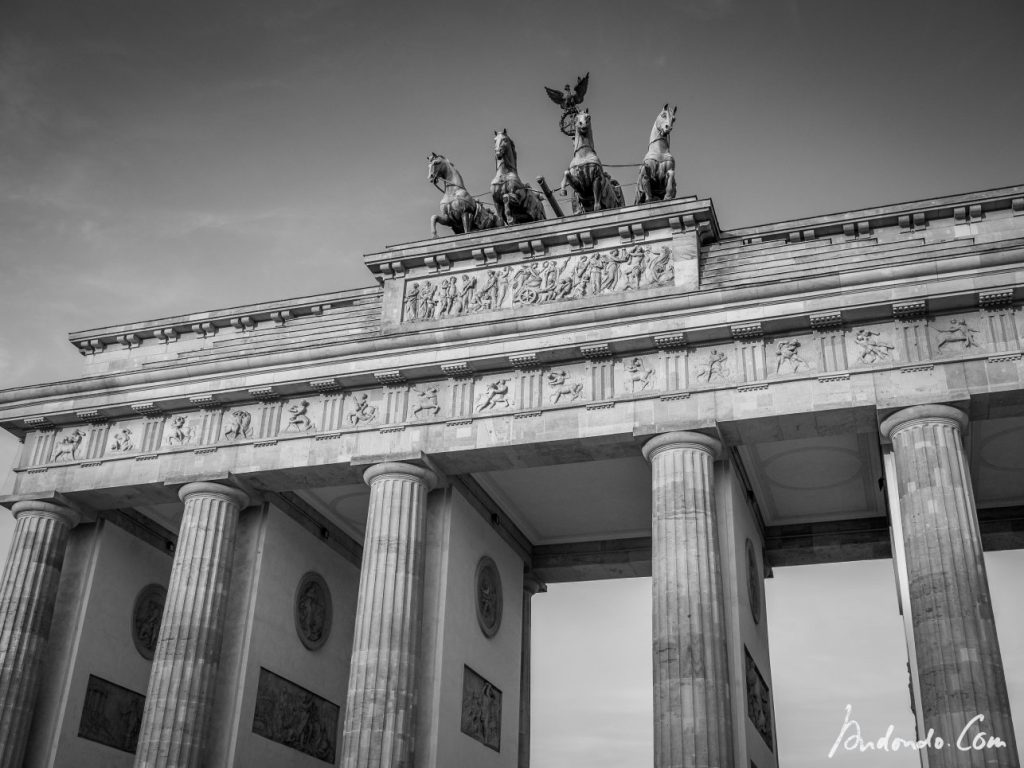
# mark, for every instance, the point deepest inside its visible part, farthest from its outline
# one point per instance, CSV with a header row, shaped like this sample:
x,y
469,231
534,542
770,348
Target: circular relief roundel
x,y
146,616
488,596
753,583
313,610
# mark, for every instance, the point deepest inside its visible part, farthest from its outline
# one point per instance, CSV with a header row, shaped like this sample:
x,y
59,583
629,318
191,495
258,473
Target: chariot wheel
x,y
568,122
528,296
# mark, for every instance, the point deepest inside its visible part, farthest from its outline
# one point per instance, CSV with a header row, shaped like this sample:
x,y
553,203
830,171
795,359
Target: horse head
x,y
504,149
663,123
583,122
437,167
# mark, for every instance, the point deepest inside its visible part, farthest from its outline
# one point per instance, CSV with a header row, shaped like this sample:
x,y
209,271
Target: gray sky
x,y
158,158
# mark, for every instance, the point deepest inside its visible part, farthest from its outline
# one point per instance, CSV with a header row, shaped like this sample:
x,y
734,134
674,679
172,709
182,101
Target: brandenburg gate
x,y
309,531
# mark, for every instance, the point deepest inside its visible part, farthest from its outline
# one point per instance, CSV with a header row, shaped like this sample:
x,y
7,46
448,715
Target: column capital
x,y
532,585
239,497
917,414
39,508
425,476
691,440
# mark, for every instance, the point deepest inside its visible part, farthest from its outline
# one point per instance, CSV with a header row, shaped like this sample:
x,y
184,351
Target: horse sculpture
x,y
657,179
459,209
515,201
596,190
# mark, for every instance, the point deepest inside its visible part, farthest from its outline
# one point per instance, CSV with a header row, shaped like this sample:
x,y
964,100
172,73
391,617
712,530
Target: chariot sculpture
x,y
569,100
595,189
515,201
459,209
657,180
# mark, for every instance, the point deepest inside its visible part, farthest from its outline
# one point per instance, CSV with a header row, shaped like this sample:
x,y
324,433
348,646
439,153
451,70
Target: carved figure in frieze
x,y
467,294
459,209
638,375
299,418
239,425
448,293
714,367
503,284
495,393
68,446
427,401
488,296
514,200
595,189
872,348
181,433
562,386
657,180
428,300
788,354
123,441
958,333
364,412
412,300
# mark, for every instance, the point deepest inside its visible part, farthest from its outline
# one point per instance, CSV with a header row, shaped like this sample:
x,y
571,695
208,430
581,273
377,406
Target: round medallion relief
x,y
753,583
488,596
146,616
313,610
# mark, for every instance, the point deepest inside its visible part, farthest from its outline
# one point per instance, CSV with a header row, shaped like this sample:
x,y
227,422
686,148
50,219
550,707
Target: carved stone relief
x,y
787,357
495,393
958,336
363,412
146,616
489,598
638,375
111,715
872,347
297,718
481,710
313,610
425,405
753,583
759,704
180,431
539,282
68,446
297,418
239,425
713,367
560,385
123,441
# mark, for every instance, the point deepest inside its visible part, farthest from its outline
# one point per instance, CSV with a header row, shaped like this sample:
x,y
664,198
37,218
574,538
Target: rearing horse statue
x,y
597,191
657,180
459,209
515,201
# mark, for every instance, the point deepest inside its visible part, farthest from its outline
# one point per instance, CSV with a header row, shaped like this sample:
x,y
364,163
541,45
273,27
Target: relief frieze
x,y
481,710
295,717
544,281
111,715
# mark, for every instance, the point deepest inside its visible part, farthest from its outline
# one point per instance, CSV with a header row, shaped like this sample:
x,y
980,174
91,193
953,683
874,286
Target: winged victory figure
x,y
569,100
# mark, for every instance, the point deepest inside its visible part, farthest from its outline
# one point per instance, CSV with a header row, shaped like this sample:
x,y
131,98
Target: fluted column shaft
x,y
181,684
531,586
958,659
692,713
380,712
28,594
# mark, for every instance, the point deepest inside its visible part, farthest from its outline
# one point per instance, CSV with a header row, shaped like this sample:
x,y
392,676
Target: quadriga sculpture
x,y
514,200
596,190
657,180
459,210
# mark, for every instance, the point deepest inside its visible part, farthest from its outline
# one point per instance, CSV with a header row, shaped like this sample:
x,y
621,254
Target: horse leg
x,y
643,191
467,220
497,197
670,184
433,224
598,188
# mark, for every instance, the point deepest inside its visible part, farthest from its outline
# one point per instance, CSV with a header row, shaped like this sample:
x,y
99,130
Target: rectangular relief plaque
x,y
759,703
481,710
111,715
290,715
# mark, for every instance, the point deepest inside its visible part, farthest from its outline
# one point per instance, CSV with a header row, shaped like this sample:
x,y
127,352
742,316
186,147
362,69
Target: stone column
x,y
380,712
531,586
692,712
958,660
28,594
181,684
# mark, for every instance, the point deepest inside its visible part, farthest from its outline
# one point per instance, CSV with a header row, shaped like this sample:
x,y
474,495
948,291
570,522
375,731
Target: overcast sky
x,y
158,158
